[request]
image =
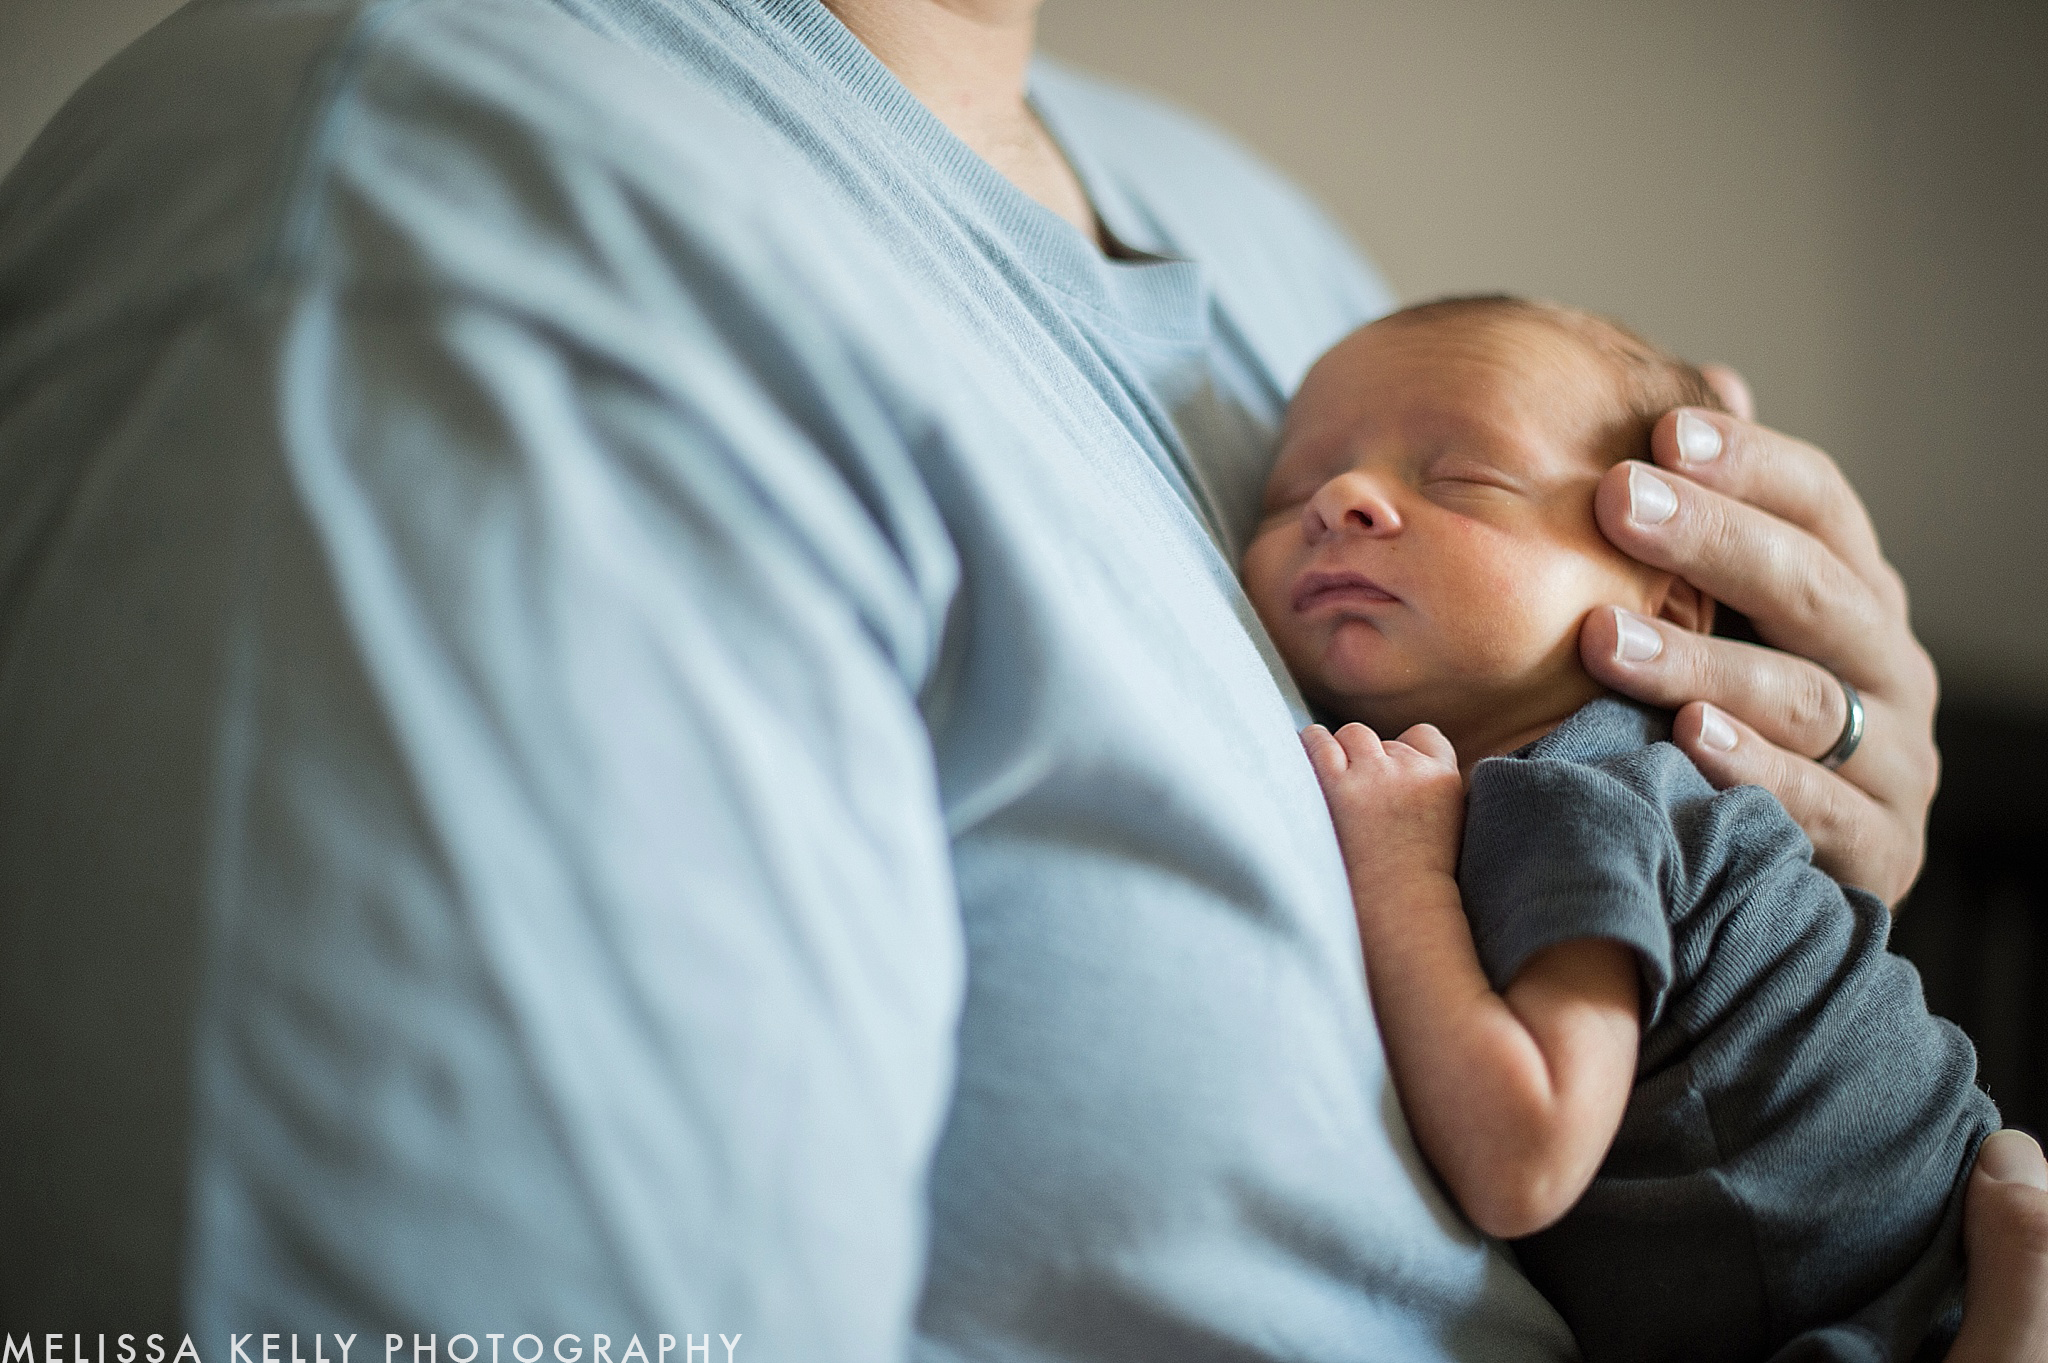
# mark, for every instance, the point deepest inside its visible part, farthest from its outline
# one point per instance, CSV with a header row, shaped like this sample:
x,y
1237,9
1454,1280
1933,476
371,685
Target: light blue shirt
x,y
623,708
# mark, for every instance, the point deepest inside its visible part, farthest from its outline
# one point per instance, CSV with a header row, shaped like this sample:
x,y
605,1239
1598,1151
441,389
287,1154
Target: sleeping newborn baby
x,y
1635,1031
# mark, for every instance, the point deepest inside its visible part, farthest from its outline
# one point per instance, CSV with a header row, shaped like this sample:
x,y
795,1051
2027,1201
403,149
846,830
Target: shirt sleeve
x,y
1557,851
586,779
538,584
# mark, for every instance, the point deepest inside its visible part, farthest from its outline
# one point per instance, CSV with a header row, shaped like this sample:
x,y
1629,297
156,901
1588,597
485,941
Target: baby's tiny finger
x,y
1428,739
1325,753
1360,743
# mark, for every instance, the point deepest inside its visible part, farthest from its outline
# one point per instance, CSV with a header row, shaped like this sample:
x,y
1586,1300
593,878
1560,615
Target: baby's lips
x,y
1314,587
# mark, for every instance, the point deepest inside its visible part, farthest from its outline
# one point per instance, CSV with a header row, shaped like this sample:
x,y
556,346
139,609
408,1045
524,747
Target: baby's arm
x,y
1514,1098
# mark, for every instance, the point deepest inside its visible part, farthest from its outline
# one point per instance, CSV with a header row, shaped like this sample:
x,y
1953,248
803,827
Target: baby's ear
x,y
1686,606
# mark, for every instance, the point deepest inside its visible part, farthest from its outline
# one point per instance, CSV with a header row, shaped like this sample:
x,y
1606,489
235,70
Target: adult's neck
x,y
969,62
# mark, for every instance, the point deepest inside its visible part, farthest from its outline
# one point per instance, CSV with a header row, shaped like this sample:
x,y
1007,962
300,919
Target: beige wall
x,y
1847,198
48,46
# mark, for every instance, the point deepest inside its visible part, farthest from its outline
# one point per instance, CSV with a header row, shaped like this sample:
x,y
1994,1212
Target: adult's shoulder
x,y
1176,185
437,205
467,143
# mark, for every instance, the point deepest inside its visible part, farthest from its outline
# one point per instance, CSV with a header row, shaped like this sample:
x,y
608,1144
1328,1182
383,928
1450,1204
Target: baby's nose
x,y
1352,503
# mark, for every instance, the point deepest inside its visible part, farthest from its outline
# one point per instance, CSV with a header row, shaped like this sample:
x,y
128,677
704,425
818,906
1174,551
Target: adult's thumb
x,y
2013,1157
2005,1239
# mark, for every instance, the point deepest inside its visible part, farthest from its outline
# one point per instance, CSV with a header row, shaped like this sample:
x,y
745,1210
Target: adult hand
x,y
1769,525
2005,1241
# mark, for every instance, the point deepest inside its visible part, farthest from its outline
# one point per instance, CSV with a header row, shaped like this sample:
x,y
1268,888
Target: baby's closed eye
x,y
1462,472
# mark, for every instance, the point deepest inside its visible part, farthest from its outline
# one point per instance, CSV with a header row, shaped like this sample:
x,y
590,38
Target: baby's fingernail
x,y
1698,441
1634,639
1650,499
2012,1157
1715,731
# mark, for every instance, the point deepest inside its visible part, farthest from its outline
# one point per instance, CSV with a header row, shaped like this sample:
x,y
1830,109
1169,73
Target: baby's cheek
x,y
1498,566
1524,599
1264,569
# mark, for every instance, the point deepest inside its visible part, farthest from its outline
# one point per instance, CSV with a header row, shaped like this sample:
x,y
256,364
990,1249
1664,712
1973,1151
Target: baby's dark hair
x,y
1651,380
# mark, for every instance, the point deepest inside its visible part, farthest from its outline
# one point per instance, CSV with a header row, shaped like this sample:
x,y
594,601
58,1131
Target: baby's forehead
x,y
1468,372
1510,345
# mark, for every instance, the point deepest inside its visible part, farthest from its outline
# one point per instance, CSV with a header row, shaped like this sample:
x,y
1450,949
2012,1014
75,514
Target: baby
x,y
1634,1029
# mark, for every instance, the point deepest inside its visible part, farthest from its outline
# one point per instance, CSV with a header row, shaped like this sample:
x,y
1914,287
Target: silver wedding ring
x,y
1852,729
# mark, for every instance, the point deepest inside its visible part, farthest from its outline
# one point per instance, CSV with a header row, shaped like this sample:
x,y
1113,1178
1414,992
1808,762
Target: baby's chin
x,y
1479,717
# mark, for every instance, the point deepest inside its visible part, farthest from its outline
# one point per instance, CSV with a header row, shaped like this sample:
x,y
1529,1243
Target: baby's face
x,y
1428,548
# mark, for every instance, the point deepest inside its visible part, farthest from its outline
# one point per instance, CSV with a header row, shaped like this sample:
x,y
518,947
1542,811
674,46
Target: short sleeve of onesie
x,y
1556,851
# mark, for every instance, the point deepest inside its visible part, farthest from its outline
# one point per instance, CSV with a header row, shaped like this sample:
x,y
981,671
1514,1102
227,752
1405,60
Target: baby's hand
x,y
1399,805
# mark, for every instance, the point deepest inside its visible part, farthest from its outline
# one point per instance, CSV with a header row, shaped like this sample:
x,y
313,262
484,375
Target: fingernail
x,y
2012,1157
1634,639
1698,441
1650,499
1715,731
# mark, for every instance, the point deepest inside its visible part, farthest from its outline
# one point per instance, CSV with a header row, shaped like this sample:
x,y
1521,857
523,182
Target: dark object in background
x,y
1977,923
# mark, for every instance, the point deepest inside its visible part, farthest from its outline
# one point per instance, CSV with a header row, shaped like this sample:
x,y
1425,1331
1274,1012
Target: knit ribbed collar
x,y
1156,298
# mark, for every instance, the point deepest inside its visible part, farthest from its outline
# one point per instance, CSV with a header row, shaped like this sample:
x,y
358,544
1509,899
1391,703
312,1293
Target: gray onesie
x,y
1787,1181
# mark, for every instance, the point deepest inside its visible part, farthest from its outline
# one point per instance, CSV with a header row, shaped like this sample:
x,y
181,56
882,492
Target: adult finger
x,y
1795,704
1865,819
1768,525
1781,476
1800,595
2012,1156
1731,388
2005,1240
1857,839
